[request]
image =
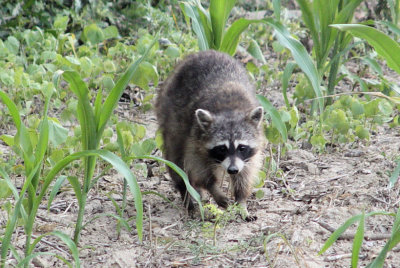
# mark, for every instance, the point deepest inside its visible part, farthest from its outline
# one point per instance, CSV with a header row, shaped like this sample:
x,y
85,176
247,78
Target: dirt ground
x,y
317,192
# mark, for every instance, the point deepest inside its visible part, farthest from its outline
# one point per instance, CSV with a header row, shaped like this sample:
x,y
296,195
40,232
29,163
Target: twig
x,y
51,244
370,237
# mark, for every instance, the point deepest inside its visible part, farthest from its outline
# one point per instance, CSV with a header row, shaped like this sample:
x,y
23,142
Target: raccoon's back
x,y
208,80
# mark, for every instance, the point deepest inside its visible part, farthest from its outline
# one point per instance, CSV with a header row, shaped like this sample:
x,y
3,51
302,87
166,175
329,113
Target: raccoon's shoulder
x,y
199,70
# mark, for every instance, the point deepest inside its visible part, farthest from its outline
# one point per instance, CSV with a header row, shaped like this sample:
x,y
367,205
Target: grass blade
x,y
74,181
383,44
339,231
275,116
357,242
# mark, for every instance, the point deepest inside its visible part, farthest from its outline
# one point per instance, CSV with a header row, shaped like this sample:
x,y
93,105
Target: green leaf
x,y
61,23
356,108
259,194
318,141
93,34
110,32
338,120
74,181
382,43
148,146
57,133
172,52
146,73
12,44
362,132
12,108
275,116
255,51
336,234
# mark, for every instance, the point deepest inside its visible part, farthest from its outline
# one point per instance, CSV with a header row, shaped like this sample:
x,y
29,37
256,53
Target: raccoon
x,y
210,121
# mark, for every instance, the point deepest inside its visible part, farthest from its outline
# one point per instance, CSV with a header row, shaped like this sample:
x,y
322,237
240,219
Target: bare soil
x,y
316,194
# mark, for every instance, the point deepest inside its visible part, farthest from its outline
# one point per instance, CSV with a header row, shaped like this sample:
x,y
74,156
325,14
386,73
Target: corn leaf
x,y
183,175
12,108
301,57
117,163
190,11
275,116
116,93
219,13
232,35
382,43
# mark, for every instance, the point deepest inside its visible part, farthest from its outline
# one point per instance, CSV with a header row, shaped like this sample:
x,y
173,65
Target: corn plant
x,y
92,121
328,43
390,51
33,157
210,25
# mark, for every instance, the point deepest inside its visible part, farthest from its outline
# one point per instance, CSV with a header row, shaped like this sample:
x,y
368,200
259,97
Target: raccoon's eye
x,y
242,148
221,149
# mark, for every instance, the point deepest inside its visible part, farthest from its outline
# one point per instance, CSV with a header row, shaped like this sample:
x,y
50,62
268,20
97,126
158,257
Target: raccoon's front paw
x,y
222,201
250,218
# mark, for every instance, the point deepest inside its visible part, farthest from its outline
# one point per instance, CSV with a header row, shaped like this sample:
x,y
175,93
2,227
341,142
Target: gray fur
x,y
207,100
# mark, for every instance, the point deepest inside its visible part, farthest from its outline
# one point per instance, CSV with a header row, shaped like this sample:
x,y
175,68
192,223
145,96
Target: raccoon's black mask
x,y
232,141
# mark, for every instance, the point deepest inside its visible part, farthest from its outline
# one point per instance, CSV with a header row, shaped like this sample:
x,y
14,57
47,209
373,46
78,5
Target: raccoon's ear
x,y
204,118
256,115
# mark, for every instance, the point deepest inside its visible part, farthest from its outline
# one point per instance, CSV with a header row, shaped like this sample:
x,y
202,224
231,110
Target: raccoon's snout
x,y
233,165
232,169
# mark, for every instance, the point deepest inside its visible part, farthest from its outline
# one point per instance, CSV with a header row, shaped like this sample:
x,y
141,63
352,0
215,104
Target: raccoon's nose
x,y
233,170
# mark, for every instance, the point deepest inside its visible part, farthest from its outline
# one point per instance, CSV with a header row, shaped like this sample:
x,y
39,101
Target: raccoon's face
x,y
231,139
